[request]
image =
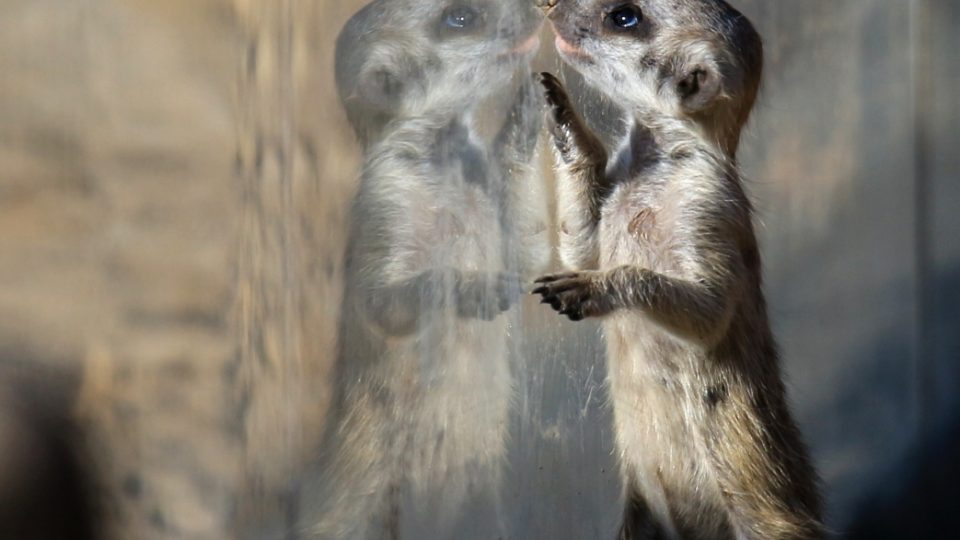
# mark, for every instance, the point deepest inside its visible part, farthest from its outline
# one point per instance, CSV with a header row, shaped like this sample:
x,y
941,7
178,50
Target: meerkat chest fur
x,y
667,188
442,191
463,216
652,219
637,225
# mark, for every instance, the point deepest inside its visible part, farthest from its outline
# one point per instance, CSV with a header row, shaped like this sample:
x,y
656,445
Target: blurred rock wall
x,y
175,178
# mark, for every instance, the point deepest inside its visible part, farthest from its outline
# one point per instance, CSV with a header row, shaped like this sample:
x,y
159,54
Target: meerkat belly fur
x,y
440,226
659,234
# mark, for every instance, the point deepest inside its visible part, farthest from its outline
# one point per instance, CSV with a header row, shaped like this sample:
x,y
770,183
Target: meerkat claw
x,y
555,277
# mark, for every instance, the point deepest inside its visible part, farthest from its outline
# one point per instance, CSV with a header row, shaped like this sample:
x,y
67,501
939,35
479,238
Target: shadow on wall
x,y
923,502
45,489
918,496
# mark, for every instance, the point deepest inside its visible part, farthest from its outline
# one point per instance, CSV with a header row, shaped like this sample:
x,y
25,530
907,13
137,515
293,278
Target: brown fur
x,y
661,239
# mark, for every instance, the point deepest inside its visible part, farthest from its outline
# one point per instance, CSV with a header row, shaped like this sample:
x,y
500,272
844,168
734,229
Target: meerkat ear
x,y
698,88
386,85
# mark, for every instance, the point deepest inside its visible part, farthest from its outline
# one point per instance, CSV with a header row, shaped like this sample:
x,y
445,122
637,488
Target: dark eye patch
x,y
626,18
460,17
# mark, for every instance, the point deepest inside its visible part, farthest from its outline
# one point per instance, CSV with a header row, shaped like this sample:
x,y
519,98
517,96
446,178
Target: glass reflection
x,y
448,222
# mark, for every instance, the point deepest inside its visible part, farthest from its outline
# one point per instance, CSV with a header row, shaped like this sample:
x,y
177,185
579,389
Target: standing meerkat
x,y
660,235
440,228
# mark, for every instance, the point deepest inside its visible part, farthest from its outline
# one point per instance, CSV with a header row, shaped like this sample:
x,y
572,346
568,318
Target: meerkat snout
x,y
546,5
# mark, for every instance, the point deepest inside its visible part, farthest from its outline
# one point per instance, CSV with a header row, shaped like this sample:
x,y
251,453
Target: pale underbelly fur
x,y
451,382
652,382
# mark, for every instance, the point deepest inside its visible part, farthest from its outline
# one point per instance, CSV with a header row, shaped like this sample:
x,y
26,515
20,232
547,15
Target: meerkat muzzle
x,y
546,5
565,48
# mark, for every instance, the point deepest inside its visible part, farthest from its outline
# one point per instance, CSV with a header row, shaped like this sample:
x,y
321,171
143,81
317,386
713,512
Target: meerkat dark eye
x,y
626,17
460,17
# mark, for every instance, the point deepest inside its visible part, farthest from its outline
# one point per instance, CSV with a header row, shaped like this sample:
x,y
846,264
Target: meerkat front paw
x,y
577,295
526,110
487,296
519,135
576,144
562,112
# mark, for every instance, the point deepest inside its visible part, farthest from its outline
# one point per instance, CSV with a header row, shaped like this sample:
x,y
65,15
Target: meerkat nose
x,y
546,5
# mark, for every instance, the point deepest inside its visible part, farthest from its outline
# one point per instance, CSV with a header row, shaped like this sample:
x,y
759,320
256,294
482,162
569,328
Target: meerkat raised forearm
x,y
581,164
523,206
422,383
660,235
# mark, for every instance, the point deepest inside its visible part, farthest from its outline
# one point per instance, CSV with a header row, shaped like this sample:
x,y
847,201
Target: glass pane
x,y
267,264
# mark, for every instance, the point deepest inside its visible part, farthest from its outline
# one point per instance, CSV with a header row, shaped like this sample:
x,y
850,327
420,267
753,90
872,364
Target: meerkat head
x,y
406,58
699,59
